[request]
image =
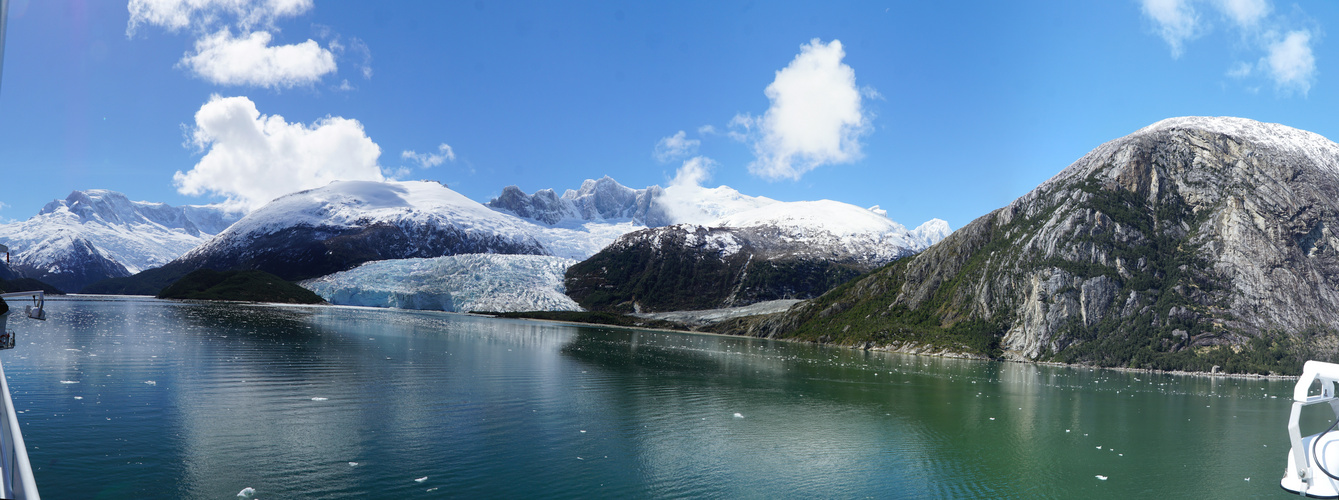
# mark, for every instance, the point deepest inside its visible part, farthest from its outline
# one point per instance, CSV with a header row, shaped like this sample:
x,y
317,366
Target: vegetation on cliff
x,y
1191,245
251,286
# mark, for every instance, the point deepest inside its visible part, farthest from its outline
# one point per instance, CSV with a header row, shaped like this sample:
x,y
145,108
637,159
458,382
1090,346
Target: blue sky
x,y
928,109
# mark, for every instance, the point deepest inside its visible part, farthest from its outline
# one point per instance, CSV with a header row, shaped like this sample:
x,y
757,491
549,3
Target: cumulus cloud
x,y
247,58
1290,62
250,60
250,158
428,160
1176,21
816,115
675,147
200,15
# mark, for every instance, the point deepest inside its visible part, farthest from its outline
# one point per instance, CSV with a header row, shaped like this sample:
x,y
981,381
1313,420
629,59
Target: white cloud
x,y
1176,19
741,127
816,117
1290,62
1287,59
250,60
428,160
252,158
682,198
675,147
201,15
693,172
1240,70
1245,13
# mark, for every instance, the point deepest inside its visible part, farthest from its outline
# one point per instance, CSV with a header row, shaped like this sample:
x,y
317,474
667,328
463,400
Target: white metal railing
x,y
16,472
18,482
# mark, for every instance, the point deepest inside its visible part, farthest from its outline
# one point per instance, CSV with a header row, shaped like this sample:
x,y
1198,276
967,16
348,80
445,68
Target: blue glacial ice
x,y
457,283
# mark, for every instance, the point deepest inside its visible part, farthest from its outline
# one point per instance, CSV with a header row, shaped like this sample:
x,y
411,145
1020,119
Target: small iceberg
x,y
1101,477
247,492
421,479
320,399
150,382
69,381
739,415
353,464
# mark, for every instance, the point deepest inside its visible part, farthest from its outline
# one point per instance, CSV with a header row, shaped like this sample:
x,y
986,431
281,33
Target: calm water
x,y
153,399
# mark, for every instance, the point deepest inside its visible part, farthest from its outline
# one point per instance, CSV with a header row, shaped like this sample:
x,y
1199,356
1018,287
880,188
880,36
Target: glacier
x,y
456,283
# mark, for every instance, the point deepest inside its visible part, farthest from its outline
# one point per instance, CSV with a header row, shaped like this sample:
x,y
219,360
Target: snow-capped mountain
x,y
456,283
605,200
97,234
779,250
336,227
833,230
597,200
713,246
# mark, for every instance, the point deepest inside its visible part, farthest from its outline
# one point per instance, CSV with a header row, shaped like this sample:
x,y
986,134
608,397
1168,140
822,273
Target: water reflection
x,y
128,399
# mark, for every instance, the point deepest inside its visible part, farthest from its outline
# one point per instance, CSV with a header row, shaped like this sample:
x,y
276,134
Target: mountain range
x,y
98,234
337,227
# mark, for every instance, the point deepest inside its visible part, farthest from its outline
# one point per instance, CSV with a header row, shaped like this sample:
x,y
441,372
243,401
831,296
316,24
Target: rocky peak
x,y
1178,246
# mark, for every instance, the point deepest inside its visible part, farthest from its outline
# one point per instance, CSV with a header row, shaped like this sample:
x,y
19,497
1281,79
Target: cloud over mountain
x,y
252,158
816,115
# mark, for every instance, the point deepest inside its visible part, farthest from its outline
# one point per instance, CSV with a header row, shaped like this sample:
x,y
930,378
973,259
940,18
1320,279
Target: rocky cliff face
x,y
1192,242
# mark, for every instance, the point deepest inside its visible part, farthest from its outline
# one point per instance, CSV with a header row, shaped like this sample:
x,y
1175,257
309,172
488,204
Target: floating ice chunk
x,y
583,432
739,415
150,382
69,381
319,399
353,464
1248,479
421,479
992,418
247,492
78,397
432,489
1066,430
1099,476
1099,447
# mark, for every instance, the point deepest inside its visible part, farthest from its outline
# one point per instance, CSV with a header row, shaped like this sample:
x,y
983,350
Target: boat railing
x,y
18,482
16,472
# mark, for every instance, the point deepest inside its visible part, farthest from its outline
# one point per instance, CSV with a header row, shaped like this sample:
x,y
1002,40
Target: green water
x,y
153,399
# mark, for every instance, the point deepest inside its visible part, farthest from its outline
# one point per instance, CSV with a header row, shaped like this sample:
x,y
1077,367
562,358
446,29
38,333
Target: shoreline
x,y
911,351
944,354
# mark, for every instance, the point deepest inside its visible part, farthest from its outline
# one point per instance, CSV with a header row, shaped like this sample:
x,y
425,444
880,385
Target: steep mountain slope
x,y
791,250
1191,243
97,234
333,228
